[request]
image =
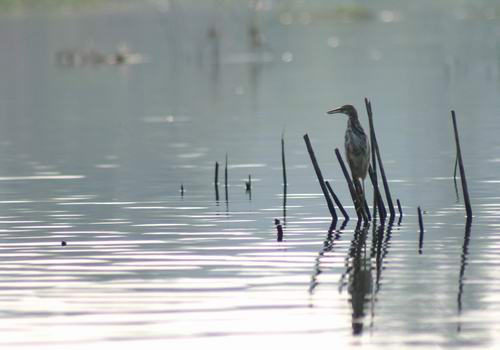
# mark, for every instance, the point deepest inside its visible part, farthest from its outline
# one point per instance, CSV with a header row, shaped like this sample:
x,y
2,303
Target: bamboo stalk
x,y
465,189
320,177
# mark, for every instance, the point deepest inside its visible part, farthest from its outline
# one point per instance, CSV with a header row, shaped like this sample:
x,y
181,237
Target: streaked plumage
x,y
357,148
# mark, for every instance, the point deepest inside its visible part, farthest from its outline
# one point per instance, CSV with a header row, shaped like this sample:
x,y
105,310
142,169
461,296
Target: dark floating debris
x,y
321,180
182,190
248,184
421,225
91,57
465,190
279,229
63,243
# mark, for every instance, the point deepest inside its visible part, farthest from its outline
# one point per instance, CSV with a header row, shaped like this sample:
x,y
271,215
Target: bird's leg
x,y
360,199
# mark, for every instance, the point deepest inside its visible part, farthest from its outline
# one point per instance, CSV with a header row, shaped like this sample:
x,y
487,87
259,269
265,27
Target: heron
x,y
357,148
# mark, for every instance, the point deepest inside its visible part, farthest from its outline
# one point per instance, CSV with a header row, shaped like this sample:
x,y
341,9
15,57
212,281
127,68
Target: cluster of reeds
x,y
360,204
376,171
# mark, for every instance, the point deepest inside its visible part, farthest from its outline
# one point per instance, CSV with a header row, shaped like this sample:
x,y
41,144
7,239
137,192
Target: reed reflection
x,y
463,264
328,245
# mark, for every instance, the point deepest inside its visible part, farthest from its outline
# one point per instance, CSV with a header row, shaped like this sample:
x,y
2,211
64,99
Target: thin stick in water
x,y
320,177
283,163
216,176
337,201
225,180
378,197
455,179
421,225
216,181
374,158
465,189
381,166
400,209
285,183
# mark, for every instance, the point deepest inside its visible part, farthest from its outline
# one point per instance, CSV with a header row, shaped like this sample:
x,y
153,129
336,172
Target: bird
x,y
357,147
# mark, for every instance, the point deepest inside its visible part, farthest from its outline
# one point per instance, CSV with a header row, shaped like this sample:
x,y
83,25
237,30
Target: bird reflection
x,y
359,279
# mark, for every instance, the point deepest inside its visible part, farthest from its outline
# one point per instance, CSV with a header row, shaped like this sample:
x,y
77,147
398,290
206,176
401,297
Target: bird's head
x,y
348,110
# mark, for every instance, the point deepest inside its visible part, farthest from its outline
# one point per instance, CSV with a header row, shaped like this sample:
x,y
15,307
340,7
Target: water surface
x,y
96,154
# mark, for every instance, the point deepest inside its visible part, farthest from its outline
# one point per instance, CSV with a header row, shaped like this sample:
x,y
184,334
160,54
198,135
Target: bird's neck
x,y
354,124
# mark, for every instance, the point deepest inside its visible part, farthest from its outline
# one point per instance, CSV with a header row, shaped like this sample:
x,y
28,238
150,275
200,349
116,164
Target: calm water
x,y
95,155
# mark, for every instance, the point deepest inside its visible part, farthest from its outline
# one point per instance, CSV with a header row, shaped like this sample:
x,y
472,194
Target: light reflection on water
x,y
95,156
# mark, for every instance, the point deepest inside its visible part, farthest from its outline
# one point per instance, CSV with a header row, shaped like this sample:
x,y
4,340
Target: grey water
x,y
95,155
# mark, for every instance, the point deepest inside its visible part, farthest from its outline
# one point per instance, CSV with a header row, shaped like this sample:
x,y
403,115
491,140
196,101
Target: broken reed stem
x,y
216,181
399,208
359,210
225,180
400,212
375,148
465,190
320,177
216,176
337,201
421,225
374,158
380,202
283,164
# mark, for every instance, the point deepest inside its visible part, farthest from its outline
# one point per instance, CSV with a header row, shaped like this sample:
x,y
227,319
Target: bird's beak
x,y
336,110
